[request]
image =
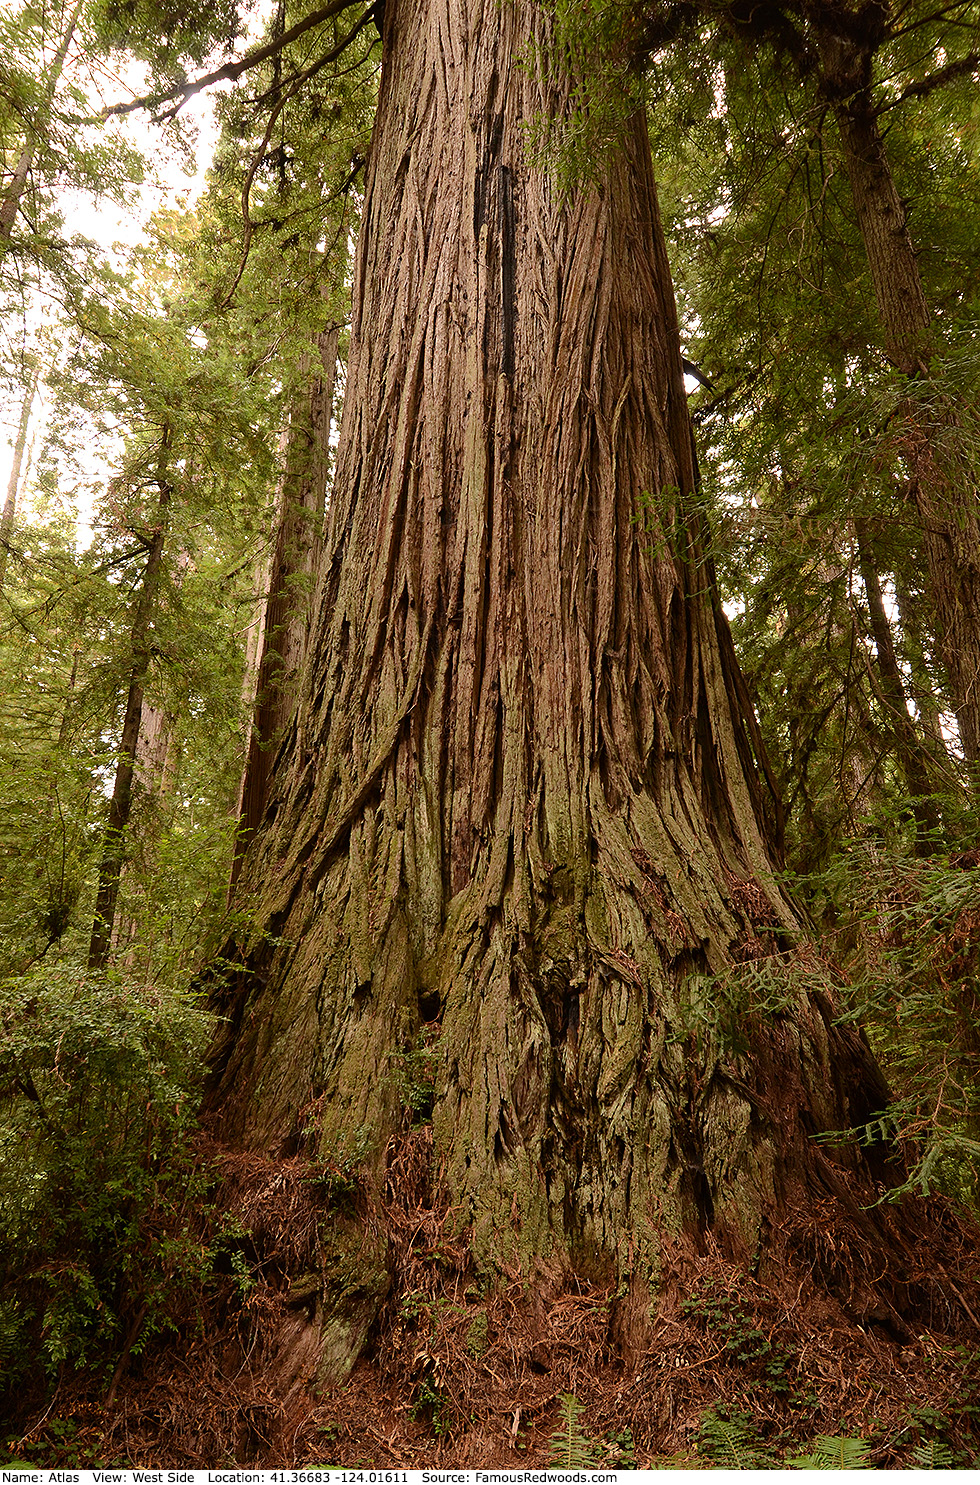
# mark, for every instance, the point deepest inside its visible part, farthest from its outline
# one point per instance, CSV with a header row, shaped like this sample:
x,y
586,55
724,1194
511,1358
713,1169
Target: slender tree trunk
x,y
16,468
514,821
942,488
154,770
296,545
899,294
120,805
253,636
911,755
64,730
922,687
153,773
11,196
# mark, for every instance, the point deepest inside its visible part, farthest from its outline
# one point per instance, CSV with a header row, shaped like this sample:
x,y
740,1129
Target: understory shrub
x,y
98,1088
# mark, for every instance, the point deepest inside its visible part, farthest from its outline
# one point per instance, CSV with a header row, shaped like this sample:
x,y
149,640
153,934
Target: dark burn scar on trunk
x,y
484,172
507,300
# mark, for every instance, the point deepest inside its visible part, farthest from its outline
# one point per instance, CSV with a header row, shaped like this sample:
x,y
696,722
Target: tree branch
x,y
317,66
961,68
231,71
689,369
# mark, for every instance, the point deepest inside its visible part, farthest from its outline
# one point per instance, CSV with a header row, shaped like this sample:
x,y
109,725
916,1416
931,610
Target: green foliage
x,y
50,118
194,350
477,1336
834,1453
98,1082
592,43
58,1443
415,1071
202,339
570,1447
430,1403
909,940
153,385
11,1335
728,1318
729,1438
802,425
419,1311
719,1013
899,954
935,1455
937,1434
619,1450
166,34
732,1438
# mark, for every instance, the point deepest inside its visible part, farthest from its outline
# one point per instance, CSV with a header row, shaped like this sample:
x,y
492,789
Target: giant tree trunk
x,y
514,820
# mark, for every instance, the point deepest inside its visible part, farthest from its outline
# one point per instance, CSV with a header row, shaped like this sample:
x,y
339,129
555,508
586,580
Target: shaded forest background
x,y
172,410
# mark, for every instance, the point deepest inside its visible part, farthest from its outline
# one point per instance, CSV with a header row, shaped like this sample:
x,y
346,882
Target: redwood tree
x,y
516,817
296,540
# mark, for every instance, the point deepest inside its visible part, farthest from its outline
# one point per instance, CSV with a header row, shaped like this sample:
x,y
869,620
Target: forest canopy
x,y
489,730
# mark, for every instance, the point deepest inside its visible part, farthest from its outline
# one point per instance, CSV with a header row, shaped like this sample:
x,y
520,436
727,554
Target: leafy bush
x,y
98,1085
909,937
726,1315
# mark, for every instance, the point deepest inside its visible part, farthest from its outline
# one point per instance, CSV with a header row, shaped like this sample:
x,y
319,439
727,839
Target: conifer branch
x,y
963,67
232,71
317,66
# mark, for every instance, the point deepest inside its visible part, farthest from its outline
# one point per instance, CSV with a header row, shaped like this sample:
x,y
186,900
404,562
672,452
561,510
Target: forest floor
x,y
737,1371
691,1402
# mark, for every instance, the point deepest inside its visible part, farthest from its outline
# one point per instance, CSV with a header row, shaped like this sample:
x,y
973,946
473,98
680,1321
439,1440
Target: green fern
x,y
834,1453
11,1321
933,1456
570,1447
730,1440
13,1353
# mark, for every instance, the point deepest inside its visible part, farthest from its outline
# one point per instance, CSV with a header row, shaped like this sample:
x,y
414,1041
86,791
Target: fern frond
x,y
731,1441
933,1456
834,1453
570,1447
